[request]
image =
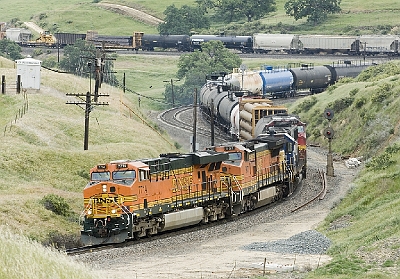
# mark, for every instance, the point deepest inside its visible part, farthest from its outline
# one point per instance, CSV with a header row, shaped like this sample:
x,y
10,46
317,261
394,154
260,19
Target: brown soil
x,y
131,12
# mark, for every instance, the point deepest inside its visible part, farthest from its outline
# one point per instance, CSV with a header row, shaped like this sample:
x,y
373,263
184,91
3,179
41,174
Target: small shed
x,y
29,70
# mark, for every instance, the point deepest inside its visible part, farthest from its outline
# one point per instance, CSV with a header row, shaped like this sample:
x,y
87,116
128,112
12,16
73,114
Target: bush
x,y
341,104
383,92
354,91
56,204
384,160
360,102
306,105
84,174
62,241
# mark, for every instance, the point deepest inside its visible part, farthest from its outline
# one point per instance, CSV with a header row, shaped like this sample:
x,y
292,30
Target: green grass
x,y
23,258
357,17
42,151
145,75
366,123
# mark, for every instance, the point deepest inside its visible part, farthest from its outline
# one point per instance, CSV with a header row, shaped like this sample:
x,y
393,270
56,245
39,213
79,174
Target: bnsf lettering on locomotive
x,y
106,200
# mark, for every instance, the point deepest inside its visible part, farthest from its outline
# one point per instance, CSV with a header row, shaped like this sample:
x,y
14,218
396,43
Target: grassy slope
x,y
22,258
366,126
42,151
79,16
43,154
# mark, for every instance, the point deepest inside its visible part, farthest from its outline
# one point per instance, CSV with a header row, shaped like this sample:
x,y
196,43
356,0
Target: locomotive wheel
x,y
136,236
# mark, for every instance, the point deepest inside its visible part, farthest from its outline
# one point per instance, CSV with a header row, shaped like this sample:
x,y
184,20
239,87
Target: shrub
x,y
384,160
341,104
62,241
56,204
306,105
84,174
360,102
354,91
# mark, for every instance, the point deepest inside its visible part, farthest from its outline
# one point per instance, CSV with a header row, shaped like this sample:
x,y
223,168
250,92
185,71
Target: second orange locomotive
x,y
134,198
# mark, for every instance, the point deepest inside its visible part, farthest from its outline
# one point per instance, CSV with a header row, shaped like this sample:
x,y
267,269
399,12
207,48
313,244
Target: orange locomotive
x,y
134,198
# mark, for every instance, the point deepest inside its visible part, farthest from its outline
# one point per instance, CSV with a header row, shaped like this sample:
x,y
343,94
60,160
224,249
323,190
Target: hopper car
x,y
254,43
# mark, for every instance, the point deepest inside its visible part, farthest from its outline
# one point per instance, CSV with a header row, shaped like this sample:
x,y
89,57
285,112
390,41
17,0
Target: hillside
x,y
42,150
364,227
357,17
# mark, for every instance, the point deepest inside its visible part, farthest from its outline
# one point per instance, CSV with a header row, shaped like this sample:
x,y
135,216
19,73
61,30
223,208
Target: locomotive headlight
x,y
104,188
113,211
89,212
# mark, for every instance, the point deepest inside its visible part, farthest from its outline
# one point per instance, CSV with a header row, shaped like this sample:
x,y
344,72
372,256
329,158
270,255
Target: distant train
x,y
237,101
130,199
255,43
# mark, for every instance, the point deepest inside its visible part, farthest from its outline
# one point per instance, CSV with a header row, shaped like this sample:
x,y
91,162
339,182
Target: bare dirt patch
x,y
131,12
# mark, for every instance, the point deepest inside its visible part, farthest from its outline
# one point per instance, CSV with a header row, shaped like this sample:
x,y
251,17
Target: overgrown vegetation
x,y
56,204
366,125
23,258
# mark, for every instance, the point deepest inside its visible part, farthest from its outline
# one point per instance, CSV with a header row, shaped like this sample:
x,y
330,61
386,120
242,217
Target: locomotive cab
x,y
108,200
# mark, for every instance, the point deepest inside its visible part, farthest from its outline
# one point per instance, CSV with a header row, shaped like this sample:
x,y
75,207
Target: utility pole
x,y
212,122
172,88
194,120
329,133
88,107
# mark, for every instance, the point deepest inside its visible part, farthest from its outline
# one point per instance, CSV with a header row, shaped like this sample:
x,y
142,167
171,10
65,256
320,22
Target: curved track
x,y
300,195
181,118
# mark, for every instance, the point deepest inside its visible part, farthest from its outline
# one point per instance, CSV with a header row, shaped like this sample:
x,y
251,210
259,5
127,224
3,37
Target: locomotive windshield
x,y
234,158
101,176
127,177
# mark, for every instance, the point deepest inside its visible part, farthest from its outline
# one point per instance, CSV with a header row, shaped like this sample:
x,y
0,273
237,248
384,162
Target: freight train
x,y
237,101
255,43
130,199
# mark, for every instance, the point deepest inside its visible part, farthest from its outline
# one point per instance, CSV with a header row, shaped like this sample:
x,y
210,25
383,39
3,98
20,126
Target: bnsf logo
x,y
105,200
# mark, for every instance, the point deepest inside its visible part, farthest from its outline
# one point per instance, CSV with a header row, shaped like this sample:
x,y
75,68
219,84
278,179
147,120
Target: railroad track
x,y
300,195
181,118
320,195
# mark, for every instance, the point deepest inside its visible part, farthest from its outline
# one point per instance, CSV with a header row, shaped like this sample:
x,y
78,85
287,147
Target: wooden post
x,y
3,84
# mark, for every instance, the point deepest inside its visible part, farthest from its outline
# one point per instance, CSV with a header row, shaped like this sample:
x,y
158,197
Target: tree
x,y
77,57
315,10
183,21
10,49
231,10
196,66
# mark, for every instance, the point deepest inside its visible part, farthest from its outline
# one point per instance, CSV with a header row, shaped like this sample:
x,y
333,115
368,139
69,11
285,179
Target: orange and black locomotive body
x,y
135,198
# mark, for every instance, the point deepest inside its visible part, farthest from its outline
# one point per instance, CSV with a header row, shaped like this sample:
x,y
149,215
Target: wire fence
x,y
22,110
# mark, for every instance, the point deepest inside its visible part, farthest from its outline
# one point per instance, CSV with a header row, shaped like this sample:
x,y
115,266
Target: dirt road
x,y
134,13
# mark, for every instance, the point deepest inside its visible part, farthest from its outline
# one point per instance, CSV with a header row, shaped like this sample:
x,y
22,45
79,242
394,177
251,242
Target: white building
x,y
29,70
